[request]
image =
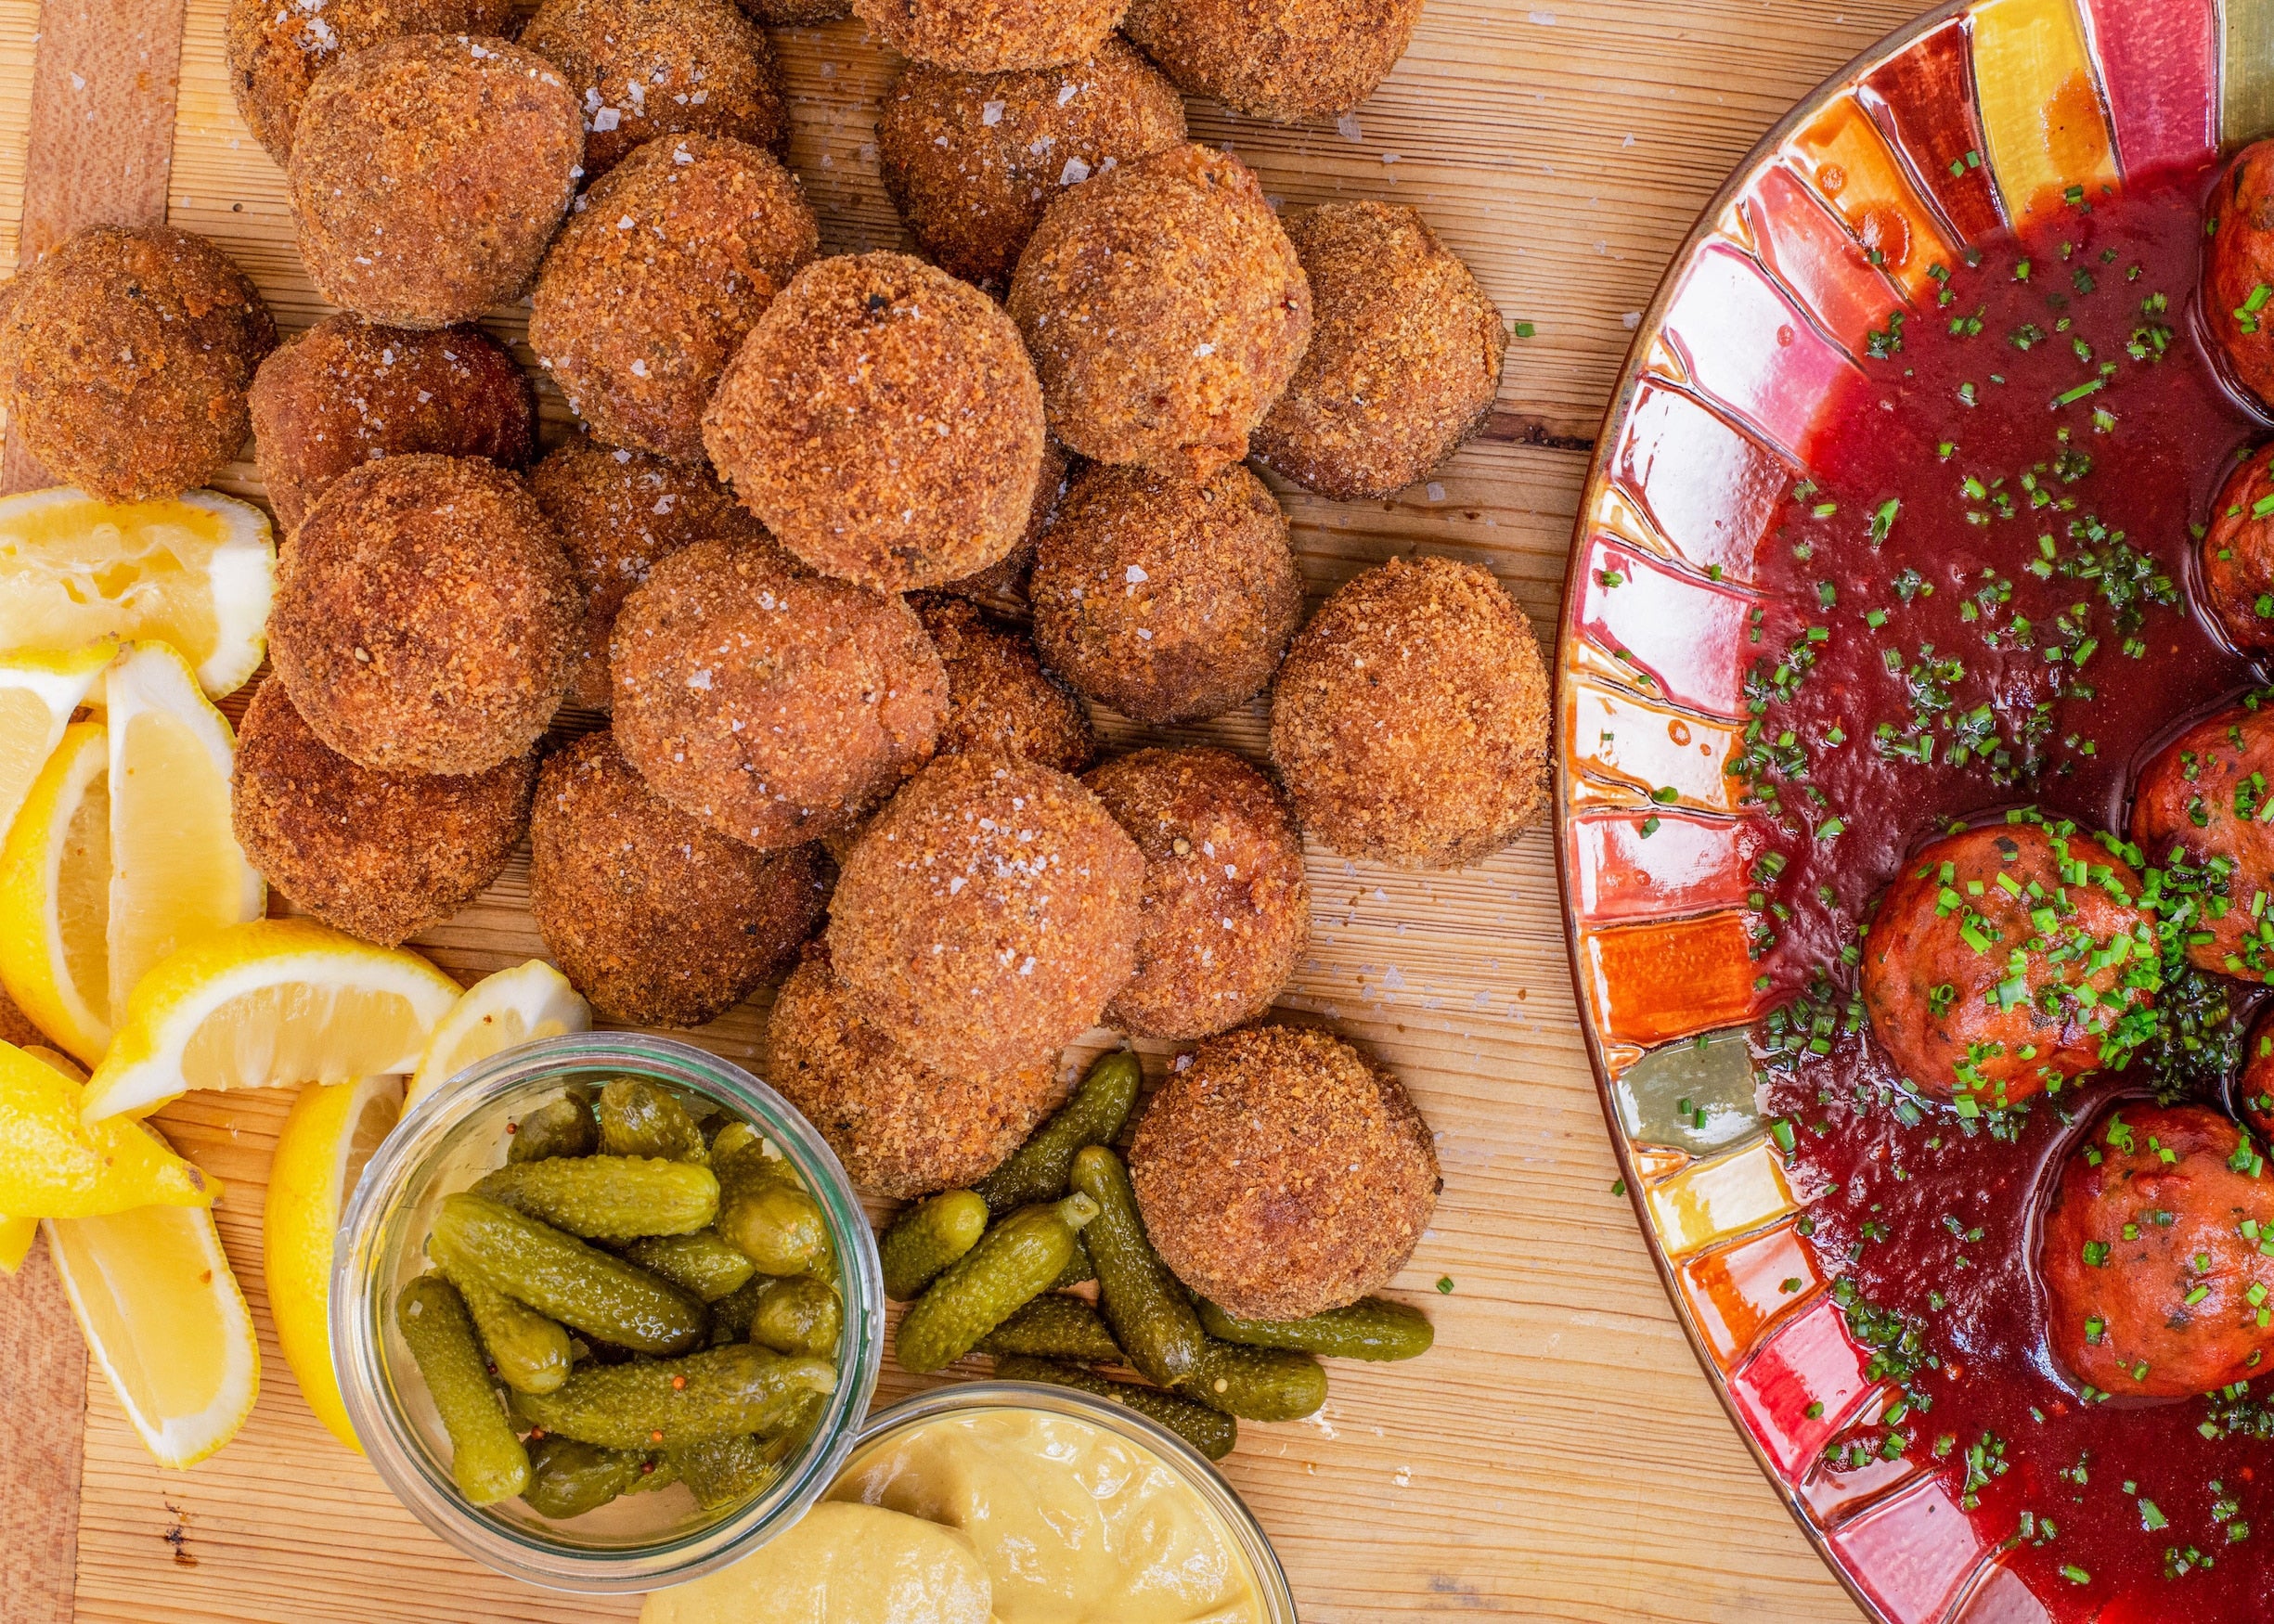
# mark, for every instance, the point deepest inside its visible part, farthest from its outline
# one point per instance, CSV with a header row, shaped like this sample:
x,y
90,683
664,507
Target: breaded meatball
x,y
661,271
991,37
380,854
2149,1257
883,420
1940,981
347,392
988,915
426,617
1227,912
1000,699
617,512
1168,600
901,1128
1404,357
429,173
1166,310
655,918
774,705
971,160
649,68
1005,581
2238,553
278,47
1410,721
2202,796
1282,1173
2238,269
125,359
1291,61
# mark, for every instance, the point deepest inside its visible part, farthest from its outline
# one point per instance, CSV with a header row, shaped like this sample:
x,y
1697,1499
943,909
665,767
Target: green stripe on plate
x,y
2246,71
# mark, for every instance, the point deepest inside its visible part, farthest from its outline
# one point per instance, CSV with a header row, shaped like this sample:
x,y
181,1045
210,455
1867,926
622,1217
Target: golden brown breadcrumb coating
x,y
380,854
1289,61
428,174
426,617
988,914
1282,1173
1168,600
1227,912
1000,699
991,37
1166,310
798,13
655,918
1410,722
661,271
1005,581
125,359
775,704
883,420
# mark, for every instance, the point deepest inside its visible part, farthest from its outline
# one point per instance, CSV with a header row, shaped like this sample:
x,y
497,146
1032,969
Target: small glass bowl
x,y
451,1138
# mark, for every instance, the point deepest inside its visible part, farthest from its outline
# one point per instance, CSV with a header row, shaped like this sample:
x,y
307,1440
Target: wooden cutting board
x,y
1557,1456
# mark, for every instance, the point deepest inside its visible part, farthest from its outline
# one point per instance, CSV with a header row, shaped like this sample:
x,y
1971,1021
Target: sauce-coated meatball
x,y
2238,555
2204,796
2238,269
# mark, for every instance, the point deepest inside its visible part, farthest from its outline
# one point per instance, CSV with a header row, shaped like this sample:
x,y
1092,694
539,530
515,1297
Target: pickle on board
x,y
701,1262
562,1278
927,1237
563,1128
1151,1317
608,1197
569,1477
641,1118
1038,1170
1371,1328
1256,1384
530,1353
487,1462
1211,1433
723,1471
1078,1269
765,1214
797,1314
665,1404
1055,1326
1013,1264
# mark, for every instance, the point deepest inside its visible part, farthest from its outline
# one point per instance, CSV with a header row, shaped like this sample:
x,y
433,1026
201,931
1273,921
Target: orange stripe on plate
x,y
1739,1291
1652,984
1843,155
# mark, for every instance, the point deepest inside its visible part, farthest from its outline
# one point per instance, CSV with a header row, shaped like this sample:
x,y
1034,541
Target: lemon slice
x,y
54,1164
176,872
520,1005
55,896
38,693
196,572
272,1001
327,1140
18,1233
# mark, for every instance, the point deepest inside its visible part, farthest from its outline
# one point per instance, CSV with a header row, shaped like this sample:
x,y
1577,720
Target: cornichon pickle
x,y
701,1263
732,1139
797,1314
1371,1328
1078,1269
1256,1384
721,1471
1014,1263
1150,1315
608,1197
1055,1326
1212,1434
560,1277
569,1477
487,1462
1038,1169
530,1353
926,1238
665,1404
563,1127
641,1118
766,1214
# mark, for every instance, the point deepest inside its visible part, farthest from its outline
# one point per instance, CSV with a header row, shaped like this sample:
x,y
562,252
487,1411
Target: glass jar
x,y
447,1142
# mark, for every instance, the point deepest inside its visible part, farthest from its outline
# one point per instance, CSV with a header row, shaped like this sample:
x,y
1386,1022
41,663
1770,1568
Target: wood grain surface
x,y
1559,1456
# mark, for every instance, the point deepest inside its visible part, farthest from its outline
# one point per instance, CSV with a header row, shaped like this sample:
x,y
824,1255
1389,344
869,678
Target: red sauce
x,y
1921,1217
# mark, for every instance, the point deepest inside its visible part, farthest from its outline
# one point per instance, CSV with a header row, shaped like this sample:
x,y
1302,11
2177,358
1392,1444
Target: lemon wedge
x,y
55,896
53,1165
268,1002
18,1233
198,572
327,1140
176,872
38,693
520,1005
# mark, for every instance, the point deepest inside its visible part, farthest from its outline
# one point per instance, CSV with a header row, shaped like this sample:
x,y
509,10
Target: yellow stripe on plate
x,y
2041,114
2246,71
1711,1201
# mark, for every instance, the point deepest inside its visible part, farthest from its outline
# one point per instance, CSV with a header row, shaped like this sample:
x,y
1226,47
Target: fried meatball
x,y
1296,62
1000,699
2238,552
1404,356
883,420
991,37
1410,721
2147,1258
2202,796
2238,269
380,855
1227,912
428,174
1166,310
1939,981
426,617
617,512
988,915
661,271
901,1128
1168,600
774,705
649,68
655,918
125,359
971,160
278,47
1005,579
1282,1173
347,392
